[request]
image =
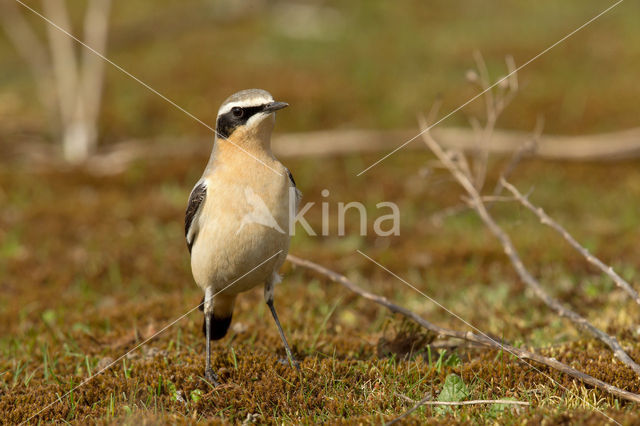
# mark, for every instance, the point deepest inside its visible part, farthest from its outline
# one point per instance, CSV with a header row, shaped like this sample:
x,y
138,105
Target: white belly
x,y
243,237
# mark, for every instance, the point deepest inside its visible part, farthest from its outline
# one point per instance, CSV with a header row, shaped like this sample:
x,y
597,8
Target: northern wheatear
x,y
238,212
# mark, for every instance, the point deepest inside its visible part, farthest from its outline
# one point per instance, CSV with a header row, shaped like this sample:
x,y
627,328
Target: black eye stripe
x,y
228,121
249,111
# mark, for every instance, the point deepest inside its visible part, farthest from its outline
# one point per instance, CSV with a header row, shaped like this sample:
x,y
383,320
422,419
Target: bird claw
x,y
211,377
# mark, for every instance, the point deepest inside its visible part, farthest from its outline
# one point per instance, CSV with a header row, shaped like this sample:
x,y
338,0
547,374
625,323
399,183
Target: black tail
x,y
219,327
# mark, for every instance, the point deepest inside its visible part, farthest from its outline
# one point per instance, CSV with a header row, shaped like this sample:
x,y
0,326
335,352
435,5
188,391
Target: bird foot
x,y
211,377
285,361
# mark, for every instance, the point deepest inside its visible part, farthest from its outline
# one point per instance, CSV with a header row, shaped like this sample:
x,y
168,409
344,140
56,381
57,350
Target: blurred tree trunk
x,y
69,78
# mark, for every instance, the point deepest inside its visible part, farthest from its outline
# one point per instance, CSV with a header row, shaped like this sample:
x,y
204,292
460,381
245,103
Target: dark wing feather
x,y
298,193
291,178
196,199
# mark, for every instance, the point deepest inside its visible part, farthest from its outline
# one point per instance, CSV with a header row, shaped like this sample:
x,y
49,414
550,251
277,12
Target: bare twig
x,y
476,402
496,100
426,401
29,47
468,336
438,217
528,148
545,219
477,204
63,57
509,87
69,84
89,96
79,80
411,400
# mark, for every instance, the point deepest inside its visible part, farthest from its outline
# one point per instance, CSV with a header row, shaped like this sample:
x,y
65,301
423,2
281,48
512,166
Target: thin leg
x,y
292,360
208,371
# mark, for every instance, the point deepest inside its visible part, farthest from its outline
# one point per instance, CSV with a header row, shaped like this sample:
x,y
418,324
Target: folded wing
x,y
196,200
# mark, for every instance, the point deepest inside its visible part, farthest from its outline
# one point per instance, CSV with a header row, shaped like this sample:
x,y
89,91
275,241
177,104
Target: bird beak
x,y
274,106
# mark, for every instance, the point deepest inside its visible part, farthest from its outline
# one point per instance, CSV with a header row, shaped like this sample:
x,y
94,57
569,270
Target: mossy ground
x,y
91,266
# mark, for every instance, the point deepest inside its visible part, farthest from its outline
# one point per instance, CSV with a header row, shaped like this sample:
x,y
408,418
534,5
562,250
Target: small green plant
x,y
453,390
195,395
173,391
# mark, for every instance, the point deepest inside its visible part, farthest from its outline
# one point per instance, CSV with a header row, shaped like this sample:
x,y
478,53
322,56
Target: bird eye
x,y
237,112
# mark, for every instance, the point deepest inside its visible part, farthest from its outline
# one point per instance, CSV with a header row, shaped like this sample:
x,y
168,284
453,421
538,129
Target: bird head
x,y
248,113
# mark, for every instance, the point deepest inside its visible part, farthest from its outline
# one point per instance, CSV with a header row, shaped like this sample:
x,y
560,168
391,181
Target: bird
x,y
237,215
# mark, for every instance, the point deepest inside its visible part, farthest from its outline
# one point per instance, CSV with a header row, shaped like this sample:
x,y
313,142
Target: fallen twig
x,y
411,400
475,402
545,219
468,336
475,201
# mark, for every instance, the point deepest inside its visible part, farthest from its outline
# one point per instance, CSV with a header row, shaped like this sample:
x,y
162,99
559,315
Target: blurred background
x,y
362,64
92,256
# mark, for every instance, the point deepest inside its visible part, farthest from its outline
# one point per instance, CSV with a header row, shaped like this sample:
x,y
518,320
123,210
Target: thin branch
x,y
545,219
513,75
29,47
495,104
95,34
411,400
475,402
509,87
484,80
64,59
468,336
438,217
426,401
528,148
477,204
